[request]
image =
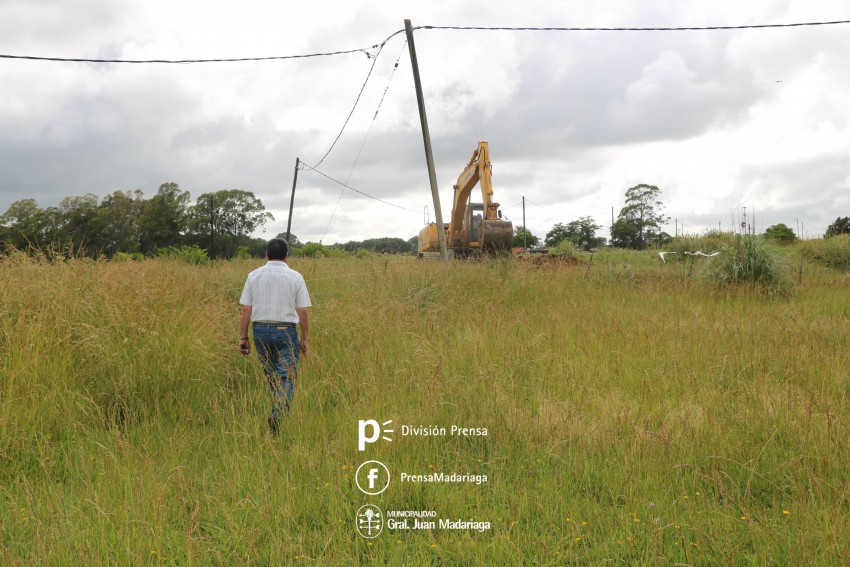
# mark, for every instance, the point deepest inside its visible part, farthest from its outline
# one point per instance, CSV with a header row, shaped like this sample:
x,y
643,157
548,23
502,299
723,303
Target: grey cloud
x,y
571,103
616,91
53,27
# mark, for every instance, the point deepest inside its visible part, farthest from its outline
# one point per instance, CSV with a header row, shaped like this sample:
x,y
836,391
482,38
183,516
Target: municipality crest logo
x,y
370,521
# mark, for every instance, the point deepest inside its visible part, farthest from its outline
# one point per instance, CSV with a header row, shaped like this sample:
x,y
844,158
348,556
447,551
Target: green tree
x,y
840,226
640,220
293,241
581,232
523,237
386,245
163,219
117,222
257,247
224,220
558,234
79,229
780,233
25,225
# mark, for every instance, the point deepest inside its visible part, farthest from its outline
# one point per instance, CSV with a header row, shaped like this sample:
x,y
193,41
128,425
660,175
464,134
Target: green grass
x,y
635,415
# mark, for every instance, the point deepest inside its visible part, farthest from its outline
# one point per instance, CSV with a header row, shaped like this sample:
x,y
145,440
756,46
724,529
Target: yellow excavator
x,y
475,228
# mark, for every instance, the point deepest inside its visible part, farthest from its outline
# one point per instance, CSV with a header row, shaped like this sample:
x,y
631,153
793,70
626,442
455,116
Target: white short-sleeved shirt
x,y
274,291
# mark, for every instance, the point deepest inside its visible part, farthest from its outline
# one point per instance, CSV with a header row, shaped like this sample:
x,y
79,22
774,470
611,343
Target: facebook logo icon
x,y
372,477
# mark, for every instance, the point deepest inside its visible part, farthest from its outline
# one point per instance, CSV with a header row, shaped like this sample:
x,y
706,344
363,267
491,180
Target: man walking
x,y
273,300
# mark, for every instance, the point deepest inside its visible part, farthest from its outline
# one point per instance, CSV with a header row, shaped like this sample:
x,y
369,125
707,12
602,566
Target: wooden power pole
x,y
429,157
292,200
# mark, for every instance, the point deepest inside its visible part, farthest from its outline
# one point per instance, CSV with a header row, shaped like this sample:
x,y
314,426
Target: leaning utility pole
x,y
429,157
212,226
524,229
292,200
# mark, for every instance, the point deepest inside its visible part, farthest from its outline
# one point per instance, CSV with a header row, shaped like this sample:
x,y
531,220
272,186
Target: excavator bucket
x,y
496,235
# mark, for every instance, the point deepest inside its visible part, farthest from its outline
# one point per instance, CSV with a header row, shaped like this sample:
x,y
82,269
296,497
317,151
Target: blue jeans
x,y
278,350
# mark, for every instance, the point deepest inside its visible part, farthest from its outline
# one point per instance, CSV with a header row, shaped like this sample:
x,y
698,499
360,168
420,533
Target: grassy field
x,y
635,415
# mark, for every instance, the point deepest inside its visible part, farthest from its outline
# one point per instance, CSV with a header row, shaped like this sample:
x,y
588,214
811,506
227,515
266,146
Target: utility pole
x,y
524,229
292,200
212,226
426,136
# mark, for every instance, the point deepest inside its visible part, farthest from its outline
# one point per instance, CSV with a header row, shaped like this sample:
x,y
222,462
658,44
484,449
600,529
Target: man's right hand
x,y
303,346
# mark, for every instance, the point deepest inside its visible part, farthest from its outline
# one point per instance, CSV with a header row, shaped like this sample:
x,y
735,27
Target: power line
x,y
451,28
395,68
365,50
369,74
358,191
363,144
639,29
183,61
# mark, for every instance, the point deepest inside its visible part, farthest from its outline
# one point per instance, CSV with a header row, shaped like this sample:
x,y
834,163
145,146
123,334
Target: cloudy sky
x,y
718,120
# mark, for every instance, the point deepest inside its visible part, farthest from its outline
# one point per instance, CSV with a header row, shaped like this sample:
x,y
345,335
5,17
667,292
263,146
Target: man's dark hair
x,y
277,249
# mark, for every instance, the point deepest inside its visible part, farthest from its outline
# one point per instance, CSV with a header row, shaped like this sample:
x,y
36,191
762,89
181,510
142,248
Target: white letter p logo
x,y
375,432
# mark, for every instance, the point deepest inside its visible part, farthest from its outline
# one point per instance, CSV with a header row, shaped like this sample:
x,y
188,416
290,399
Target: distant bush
x,y
125,257
364,254
781,234
336,252
242,253
712,241
831,252
563,248
748,261
311,250
316,250
189,254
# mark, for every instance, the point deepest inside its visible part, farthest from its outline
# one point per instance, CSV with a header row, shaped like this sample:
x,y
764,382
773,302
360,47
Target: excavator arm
x,y
465,234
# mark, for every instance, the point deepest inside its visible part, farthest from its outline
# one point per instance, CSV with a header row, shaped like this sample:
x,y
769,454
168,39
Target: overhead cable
x,y
362,88
458,28
358,191
363,143
639,29
193,61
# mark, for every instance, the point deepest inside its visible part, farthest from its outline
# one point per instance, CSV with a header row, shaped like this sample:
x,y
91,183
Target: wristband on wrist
x,y
244,339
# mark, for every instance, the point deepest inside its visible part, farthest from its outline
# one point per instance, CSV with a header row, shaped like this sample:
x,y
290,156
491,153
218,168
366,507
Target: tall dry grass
x,y
634,415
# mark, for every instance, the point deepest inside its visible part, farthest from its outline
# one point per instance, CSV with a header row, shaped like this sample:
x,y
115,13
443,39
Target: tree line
x,y
638,225
221,223
125,221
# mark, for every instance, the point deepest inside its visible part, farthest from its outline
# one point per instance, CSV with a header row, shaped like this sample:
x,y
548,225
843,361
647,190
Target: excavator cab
x,y
477,213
